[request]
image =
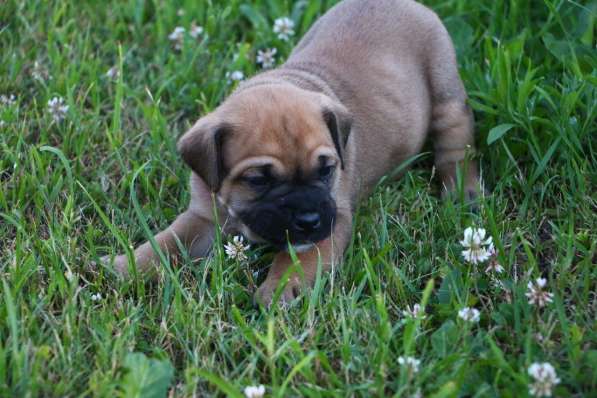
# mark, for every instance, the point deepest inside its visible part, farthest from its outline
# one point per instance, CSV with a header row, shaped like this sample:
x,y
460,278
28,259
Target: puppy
x,y
286,158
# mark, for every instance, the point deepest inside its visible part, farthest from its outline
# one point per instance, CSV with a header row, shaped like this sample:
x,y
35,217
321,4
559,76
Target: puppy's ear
x,y
339,122
201,149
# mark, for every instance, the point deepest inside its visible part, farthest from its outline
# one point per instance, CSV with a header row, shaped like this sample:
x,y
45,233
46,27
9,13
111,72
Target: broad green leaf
x,y
145,377
498,132
443,339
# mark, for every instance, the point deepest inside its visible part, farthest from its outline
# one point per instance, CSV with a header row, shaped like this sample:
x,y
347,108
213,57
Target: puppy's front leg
x,y
196,233
330,250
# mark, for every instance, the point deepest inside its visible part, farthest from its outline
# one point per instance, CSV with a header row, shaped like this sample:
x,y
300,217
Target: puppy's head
x,y
273,154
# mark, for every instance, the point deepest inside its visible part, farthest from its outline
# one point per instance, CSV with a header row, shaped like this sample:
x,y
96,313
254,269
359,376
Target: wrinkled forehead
x,y
294,133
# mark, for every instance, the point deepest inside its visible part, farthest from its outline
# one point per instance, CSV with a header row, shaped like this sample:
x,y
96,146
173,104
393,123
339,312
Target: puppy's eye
x,y
258,181
326,171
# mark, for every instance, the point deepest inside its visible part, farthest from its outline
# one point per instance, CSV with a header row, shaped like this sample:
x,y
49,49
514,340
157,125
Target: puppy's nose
x,y
307,222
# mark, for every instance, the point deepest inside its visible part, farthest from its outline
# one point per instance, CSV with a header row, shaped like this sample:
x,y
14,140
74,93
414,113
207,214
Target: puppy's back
x,y
357,30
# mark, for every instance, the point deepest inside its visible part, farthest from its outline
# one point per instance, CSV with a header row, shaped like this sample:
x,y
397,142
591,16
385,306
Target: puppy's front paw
x,y
265,293
120,264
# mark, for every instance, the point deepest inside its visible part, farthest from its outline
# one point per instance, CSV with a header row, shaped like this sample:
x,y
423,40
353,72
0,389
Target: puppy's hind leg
x,y
451,119
453,141
194,232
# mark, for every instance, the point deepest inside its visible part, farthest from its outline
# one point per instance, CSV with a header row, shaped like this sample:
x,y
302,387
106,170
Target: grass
x,y
84,187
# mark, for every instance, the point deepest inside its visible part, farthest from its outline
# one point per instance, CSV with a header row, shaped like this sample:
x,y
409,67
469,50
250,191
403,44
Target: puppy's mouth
x,y
302,217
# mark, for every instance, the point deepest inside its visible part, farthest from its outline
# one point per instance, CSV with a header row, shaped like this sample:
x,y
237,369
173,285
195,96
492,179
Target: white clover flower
x,y
3,124
177,33
254,391
195,30
7,100
415,312
40,72
469,314
284,28
475,244
545,379
113,73
96,297
180,12
267,57
410,362
493,265
536,294
57,108
236,249
234,76
177,37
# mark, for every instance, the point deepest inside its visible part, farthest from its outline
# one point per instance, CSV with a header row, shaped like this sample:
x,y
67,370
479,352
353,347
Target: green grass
x,y
65,199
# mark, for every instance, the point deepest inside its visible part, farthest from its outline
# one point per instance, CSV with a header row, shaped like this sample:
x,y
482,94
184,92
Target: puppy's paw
x,y
471,196
120,264
266,292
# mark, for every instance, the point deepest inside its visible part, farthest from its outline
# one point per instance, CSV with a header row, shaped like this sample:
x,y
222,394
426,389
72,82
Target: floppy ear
x,y
201,149
339,123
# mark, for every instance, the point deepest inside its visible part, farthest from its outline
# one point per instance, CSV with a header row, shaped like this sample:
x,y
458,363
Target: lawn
x,y
88,166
